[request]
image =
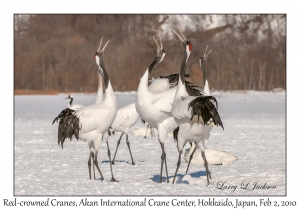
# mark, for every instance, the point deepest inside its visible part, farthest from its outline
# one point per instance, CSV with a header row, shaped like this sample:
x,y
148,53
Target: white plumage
x,y
195,116
155,107
159,85
96,117
90,123
154,102
126,117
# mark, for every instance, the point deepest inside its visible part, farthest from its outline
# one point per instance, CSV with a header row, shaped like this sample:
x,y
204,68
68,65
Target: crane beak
x,y
161,45
181,34
100,45
158,47
205,55
99,48
104,46
182,37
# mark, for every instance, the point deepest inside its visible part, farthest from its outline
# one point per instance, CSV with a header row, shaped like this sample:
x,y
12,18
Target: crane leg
x,y
108,153
128,144
113,161
97,166
191,157
206,166
146,131
93,157
163,161
178,164
166,168
89,165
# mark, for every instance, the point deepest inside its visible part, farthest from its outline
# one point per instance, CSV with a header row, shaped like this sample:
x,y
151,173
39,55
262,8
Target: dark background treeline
x,y
56,52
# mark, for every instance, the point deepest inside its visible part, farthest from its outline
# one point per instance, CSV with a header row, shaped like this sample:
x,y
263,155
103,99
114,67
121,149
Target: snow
x,y
255,131
214,157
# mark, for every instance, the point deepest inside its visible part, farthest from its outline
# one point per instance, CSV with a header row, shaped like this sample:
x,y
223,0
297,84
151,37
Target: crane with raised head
x,y
195,115
154,102
150,106
91,123
202,64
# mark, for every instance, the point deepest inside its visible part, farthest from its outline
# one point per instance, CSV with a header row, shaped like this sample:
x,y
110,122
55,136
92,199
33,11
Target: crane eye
x,y
96,54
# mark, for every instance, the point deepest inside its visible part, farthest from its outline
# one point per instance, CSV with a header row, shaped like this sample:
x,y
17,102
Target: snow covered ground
x,y
255,131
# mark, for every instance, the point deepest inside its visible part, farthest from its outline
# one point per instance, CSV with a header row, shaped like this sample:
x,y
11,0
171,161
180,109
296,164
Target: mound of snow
x,y
152,132
213,157
141,131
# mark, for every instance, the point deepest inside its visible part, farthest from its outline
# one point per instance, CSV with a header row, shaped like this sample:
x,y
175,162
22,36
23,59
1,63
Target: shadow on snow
x,y
179,178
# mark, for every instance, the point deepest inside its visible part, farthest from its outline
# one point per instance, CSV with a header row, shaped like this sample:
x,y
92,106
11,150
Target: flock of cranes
x,y
168,104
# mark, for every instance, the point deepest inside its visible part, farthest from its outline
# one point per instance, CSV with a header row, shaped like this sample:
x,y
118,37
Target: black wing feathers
x,y
68,125
204,106
193,90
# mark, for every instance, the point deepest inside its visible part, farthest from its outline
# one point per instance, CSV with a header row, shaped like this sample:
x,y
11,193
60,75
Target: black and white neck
x,y
99,57
159,57
71,99
102,71
187,48
202,63
160,54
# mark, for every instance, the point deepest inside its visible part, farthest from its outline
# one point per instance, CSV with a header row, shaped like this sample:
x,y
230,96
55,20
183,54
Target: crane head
x,y
202,60
69,97
186,44
99,54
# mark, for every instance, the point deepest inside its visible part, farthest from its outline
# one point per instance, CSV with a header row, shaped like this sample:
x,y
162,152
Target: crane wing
x,y
76,106
165,100
159,85
180,108
201,109
91,117
204,106
68,125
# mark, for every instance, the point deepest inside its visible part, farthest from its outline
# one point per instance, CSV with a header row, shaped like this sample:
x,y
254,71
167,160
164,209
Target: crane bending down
x,y
71,105
194,115
91,123
125,119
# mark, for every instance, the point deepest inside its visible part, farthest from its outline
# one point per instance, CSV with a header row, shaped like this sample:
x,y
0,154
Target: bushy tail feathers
x,y
68,125
204,106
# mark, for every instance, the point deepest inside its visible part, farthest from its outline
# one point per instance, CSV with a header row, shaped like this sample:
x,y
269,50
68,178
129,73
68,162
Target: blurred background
x,y
55,53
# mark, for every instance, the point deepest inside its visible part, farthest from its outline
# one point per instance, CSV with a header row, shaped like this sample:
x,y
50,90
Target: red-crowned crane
x,y
195,115
154,104
90,123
